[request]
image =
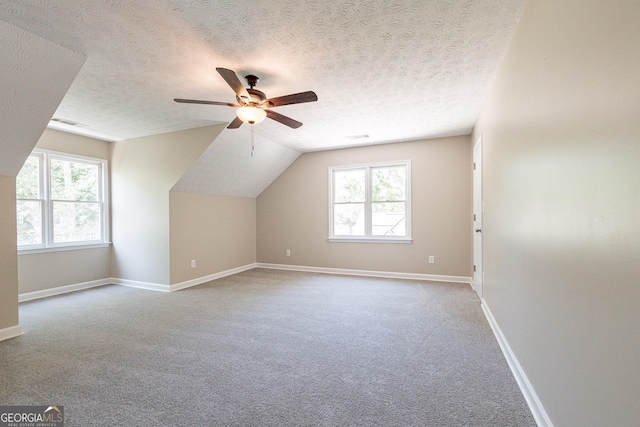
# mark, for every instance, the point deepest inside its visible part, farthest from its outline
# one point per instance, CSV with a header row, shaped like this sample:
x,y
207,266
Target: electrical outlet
x,y
288,252
432,259
193,263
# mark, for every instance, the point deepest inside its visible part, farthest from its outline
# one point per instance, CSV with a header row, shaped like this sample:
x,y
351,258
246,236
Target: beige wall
x,y
41,271
37,272
65,142
143,170
8,254
218,232
561,231
292,211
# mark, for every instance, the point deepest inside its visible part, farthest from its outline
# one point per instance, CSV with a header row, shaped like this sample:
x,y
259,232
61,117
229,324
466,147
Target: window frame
x,y
368,237
47,228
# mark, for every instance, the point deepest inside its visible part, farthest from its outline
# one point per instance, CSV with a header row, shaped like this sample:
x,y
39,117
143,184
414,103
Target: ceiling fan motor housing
x,y
257,96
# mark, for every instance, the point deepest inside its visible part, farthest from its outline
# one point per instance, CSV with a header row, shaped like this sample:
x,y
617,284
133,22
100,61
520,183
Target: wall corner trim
x,y
10,332
537,410
368,273
210,277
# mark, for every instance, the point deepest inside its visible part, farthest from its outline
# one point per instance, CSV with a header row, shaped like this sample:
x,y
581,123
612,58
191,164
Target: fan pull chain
x,y
252,146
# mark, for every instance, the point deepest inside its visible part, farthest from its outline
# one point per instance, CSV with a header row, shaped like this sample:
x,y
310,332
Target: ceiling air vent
x,y
352,137
67,122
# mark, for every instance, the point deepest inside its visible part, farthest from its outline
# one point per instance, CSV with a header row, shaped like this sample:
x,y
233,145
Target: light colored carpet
x,y
265,348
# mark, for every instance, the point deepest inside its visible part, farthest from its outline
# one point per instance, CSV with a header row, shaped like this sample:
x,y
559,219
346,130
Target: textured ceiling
x,y
392,69
27,100
227,168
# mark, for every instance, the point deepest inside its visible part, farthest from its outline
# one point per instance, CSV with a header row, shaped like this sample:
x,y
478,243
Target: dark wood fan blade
x,y
195,101
283,119
296,98
235,123
232,80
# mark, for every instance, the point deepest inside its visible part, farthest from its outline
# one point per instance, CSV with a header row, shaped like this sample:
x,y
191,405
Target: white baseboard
x,y
368,273
214,276
210,277
28,296
197,281
182,285
140,285
10,332
537,410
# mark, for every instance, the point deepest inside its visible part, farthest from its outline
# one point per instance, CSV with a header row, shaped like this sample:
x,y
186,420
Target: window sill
x,y
368,240
62,248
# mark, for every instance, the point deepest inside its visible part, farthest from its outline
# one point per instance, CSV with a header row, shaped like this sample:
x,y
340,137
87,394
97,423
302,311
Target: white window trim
x,y
47,220
68,247
368,238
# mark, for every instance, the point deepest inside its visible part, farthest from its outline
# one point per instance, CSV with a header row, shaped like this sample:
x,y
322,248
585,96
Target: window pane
x,y
29,220
76,222
74,180
388,183
388,219
348,220
349,186
28,180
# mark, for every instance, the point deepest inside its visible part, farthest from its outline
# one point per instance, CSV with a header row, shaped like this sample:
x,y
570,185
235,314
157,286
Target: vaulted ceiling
x,y
391,69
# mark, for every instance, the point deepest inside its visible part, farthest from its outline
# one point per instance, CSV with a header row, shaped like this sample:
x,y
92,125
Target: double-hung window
x,y
370,203
61,201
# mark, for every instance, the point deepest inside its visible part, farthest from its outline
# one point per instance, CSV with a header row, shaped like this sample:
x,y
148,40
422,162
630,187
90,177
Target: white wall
x,y
562,202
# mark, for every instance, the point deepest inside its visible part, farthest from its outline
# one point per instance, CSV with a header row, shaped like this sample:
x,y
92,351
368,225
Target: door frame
x,y
478,210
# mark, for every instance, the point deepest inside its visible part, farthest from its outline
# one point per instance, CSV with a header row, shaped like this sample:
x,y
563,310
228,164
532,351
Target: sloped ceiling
x,y
228,167
390,69
36,74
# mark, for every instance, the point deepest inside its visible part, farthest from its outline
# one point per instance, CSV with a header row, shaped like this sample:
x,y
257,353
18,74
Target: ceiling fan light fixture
x,y
250,114
251,100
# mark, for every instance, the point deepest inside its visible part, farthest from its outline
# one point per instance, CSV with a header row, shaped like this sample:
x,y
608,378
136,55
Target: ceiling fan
x,y
253,105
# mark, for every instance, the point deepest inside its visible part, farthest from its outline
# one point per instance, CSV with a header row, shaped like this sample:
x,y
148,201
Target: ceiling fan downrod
x,y
251,80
